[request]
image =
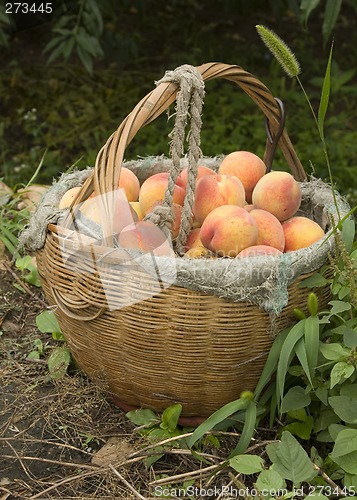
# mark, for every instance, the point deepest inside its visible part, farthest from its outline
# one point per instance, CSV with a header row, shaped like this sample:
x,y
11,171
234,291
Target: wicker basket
x,y
178,345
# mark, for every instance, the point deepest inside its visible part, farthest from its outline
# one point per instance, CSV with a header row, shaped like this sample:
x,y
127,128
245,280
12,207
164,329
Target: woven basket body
x,y
175,345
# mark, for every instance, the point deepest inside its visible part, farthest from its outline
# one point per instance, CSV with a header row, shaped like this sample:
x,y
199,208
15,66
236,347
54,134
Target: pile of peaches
x,y
239,211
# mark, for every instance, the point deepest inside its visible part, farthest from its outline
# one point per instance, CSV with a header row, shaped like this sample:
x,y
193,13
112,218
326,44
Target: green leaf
x,y
344,452
294,335
345,408
33,355
92,4
322,394
350,483
143,417
170,417
271,363
348,233
290,459
306,7
299,414
47,322
349,390
86,59
341,372
301,429
52,43
295,399
216,418
269,480
301,353
312,342
59,50
333,351
247,464
335,429
332,11
325,95
325,419
316,280
350,338
58,362
248,429
339,306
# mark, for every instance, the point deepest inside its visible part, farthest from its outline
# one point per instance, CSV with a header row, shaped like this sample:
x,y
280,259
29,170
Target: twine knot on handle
x,y
189,103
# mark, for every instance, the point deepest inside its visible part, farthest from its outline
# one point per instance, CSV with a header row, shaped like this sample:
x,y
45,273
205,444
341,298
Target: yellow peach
x,y
278,193
270,231
68,197
213,191
228,229
301,232
137,208
257,250
198,252
145,237
123,213
247,166
130,183
177,209
154,188
202,170
193,239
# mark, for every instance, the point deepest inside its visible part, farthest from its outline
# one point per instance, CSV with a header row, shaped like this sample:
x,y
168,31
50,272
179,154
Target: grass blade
x,y
300,350
312,339
248,429
325,96
271,363
331,13
216,418
294,335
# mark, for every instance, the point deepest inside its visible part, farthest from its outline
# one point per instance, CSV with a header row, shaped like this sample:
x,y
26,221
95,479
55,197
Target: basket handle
x,y
105,177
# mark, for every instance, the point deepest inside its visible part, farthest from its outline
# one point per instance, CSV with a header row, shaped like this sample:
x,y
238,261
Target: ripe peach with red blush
x,y
153,189
130,183
202,170
247,166
270,231
228,229
278,193
257,250
213,191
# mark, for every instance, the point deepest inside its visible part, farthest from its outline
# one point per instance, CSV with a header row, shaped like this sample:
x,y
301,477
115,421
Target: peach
x,y
228,229
145,237
130,183
198,252
68,197
256,250
175,228
193,239
247,166
213,191
278,193
270,231
301,232
123,214
135,205
154,188
202,170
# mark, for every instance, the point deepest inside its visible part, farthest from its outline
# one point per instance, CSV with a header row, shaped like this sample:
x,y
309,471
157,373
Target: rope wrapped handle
x,y
186,86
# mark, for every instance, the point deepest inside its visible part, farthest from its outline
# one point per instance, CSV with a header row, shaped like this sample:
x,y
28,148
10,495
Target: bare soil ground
x,y
66,439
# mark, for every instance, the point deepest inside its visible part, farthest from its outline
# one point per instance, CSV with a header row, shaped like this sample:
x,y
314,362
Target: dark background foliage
x,y
69,78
